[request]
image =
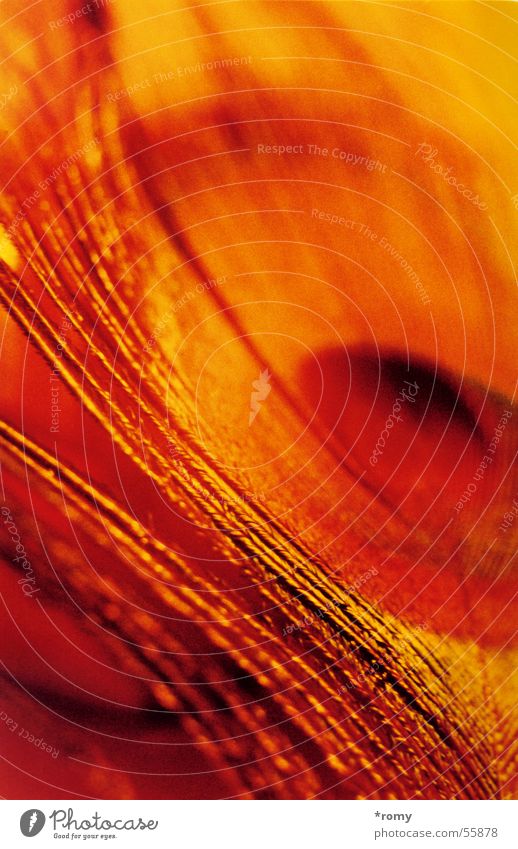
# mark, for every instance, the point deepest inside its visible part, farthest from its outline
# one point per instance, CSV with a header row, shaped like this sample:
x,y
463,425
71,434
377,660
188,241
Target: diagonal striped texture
x,y
259,498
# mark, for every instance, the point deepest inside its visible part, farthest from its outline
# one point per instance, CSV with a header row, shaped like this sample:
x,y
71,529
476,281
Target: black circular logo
x,y
31,822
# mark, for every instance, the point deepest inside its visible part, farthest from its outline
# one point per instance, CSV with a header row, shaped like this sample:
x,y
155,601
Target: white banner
x,y
260,825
